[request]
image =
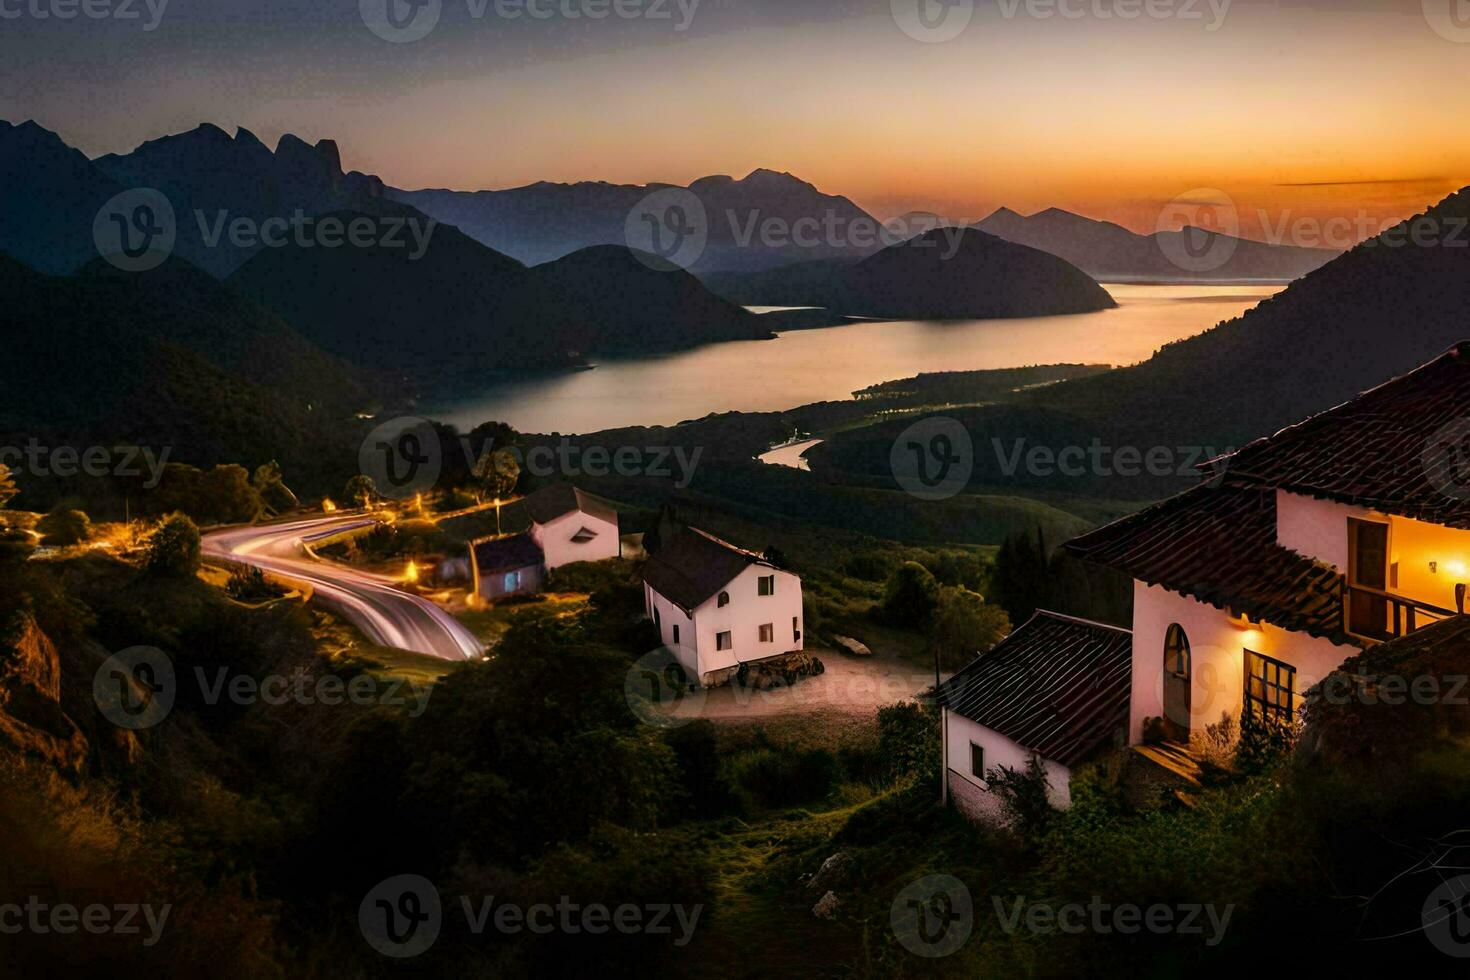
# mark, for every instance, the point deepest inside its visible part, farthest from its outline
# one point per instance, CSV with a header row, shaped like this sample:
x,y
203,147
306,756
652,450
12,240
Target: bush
x,y
767,777
908,740
1022,795
251,585
174,548
64,527
964,625
911,596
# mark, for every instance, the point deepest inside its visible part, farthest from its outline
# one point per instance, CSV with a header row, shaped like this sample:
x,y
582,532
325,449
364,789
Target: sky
x,y
1312,119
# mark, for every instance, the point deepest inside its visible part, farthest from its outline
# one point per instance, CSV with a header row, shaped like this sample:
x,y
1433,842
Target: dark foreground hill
x,y
946,273
168,359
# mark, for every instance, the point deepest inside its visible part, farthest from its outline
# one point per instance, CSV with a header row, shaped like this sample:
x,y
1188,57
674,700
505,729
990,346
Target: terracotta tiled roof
x,y
694,566
1218,545
1400,448
1058,686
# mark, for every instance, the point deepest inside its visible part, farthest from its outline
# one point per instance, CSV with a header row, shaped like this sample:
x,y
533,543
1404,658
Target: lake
x,y
803,366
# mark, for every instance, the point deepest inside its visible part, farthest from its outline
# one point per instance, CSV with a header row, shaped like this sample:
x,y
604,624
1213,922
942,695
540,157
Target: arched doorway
x,y
1177,672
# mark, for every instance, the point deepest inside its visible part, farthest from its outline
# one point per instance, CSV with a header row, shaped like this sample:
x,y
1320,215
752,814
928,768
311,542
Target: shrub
x,y
174,548
965,625
63,527
251,585
768,777
1022,794
911,596
908,739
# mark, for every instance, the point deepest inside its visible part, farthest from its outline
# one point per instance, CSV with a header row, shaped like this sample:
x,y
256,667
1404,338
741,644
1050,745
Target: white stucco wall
x,y
555,539
1217,647
1319,529
743,617
960,731
668,616
1315,528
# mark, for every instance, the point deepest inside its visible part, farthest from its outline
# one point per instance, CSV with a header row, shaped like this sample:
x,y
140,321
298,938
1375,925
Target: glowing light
x,y
327,505
411,574
1455,568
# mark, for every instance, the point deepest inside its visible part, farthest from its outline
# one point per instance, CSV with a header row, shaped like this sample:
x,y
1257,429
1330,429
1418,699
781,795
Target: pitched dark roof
x,y
694,565
1397,448
1218,545
507,554
558,499
1058,686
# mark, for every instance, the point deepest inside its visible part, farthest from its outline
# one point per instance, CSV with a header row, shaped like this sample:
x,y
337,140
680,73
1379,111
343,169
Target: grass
x,y
491,622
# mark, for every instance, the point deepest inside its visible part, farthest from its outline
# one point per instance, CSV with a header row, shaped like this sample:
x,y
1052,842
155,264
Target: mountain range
x,y
1111,253
754,222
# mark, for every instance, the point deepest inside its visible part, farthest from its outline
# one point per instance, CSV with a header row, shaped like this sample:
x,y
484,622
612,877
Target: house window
x,y
1176,652
767,585
795,627
977,761
658,621
723,600
723,641
512,581
1270,686
676,632
768,633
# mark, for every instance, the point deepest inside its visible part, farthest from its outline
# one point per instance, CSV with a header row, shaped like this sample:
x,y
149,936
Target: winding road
x,y
375,604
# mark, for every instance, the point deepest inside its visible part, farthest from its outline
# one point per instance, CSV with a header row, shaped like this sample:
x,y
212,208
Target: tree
x,y
1021,582
227,495
8,489
271,485
964,625
498,473
64,526
174,548
911,596
360,490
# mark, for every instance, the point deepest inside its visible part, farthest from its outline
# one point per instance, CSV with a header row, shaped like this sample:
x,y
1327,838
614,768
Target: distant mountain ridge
x,y
752,221
946,273
1110,252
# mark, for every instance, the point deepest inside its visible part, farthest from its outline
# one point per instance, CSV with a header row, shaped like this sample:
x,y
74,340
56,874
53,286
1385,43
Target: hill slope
x,y
49,196
1111,252
947,273
167,359
1380,310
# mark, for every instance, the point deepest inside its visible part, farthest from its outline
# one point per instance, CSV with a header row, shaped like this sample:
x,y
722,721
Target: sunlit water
x,y
804,366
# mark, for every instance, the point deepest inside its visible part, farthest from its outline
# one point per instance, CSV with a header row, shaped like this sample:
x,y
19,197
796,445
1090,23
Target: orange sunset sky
x,y
1298,110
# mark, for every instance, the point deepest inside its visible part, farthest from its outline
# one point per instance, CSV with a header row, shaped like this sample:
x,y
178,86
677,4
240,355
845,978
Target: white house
x,y
718,606
556,526
1304,549
1057,689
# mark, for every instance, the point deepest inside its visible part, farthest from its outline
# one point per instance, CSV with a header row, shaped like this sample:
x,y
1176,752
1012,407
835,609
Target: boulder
x,y
31,719
831,873
849,645
826,907
780,671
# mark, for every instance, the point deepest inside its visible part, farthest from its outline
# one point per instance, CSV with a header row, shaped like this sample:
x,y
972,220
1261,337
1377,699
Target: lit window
x,y
768,633
723,641
1270,687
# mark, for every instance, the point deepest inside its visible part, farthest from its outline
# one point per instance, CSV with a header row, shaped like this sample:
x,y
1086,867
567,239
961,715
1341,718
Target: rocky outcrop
x,y
32,721
782,671
848,644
